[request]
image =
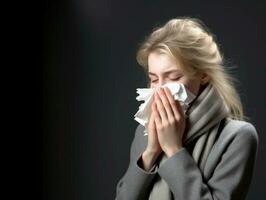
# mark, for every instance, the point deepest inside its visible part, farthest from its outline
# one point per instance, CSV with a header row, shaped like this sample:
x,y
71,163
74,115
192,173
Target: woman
x,y
209,152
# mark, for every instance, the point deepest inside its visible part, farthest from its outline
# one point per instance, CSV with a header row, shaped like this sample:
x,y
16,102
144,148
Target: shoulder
x,y
238,140
140,141
239,130
139,130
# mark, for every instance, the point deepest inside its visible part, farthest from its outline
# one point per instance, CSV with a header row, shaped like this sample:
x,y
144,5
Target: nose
x,y
161,82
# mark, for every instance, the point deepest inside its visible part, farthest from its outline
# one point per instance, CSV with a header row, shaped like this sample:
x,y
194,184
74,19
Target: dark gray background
x,y
90,77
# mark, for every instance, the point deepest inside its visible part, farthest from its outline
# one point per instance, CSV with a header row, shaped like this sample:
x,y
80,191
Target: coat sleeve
x,y
134,184
231,178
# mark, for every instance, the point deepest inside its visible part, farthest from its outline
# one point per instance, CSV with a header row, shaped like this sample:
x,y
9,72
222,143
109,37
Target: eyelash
x,y
174,79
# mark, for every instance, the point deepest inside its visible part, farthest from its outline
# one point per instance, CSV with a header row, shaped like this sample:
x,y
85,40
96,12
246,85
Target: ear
x,y
204,79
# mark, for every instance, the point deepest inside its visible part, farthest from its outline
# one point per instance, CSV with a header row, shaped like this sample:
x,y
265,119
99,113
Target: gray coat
x,y
230,164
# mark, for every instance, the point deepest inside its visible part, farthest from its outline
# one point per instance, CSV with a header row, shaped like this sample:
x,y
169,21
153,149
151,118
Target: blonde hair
x,y
190,41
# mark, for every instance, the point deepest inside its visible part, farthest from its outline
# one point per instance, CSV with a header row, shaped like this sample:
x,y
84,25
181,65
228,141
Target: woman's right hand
x,y
153,149
153,145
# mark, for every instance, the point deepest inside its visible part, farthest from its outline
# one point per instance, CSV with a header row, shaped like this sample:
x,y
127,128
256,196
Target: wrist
x,y
152,153
172,151
148,159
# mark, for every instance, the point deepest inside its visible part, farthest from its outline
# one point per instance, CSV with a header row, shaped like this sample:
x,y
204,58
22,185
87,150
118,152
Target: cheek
x,y
194,89
193,86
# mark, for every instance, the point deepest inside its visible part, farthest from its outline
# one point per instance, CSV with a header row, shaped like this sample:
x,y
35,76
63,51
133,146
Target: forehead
x,y
159,63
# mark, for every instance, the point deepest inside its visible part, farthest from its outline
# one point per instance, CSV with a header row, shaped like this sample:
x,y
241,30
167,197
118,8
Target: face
x,y
164,69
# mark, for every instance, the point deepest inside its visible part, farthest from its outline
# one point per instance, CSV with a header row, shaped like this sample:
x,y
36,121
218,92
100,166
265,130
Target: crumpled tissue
x,y
178,90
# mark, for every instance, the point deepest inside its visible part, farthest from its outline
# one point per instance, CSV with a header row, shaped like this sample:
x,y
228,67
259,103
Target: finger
x,y
175,105
180,110
156,115
166,103
151,122
161,108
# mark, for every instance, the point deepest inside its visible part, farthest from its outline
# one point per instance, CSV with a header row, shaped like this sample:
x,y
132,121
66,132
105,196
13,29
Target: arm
x,y
136,180
230,180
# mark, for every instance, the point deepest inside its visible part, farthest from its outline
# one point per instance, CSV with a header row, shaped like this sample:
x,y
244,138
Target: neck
x,y
201,89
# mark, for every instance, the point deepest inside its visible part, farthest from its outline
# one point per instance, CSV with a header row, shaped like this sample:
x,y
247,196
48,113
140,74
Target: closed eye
x,y
175,79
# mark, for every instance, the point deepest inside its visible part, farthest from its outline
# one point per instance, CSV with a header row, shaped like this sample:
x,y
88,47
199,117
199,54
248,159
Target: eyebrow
x,y
166,72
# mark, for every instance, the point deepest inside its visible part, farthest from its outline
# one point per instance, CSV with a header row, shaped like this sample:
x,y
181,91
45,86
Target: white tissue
x,y
179,92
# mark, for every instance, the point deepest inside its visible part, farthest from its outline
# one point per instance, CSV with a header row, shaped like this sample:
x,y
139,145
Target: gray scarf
x,y
204,117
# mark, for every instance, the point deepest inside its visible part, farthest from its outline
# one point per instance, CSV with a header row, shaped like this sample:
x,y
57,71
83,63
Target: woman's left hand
x,y
169,120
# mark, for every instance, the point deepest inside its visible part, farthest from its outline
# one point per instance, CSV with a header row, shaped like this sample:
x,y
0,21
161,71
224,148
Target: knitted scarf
x,y
204,117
